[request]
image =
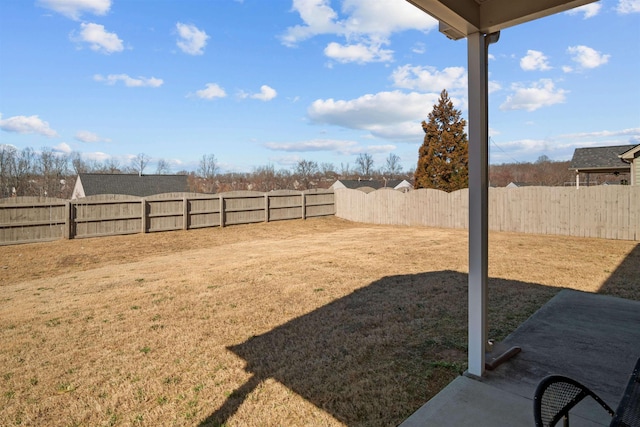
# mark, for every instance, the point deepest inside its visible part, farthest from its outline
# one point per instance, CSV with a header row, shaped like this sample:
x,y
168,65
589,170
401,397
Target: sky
x,y
272,82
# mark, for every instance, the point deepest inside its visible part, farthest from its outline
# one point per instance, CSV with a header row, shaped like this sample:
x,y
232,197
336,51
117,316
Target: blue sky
x,y
259,82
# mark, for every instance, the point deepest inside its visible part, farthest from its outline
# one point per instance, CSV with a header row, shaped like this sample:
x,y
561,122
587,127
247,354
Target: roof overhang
x,y
459,18
631,154
624,168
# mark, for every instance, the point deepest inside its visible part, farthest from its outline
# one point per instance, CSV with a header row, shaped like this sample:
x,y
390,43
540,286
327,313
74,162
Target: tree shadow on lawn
x,y
378,354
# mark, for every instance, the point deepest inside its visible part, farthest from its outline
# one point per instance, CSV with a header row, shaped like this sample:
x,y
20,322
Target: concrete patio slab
x,y
592,338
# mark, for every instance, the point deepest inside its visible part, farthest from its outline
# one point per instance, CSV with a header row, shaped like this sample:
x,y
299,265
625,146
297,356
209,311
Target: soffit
x,y
465,17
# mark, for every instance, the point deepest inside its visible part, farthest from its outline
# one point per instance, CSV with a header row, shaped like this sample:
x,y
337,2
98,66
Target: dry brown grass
x,y
317,322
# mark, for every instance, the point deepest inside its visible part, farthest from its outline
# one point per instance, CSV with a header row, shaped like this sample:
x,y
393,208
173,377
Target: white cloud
x,y
587,57
628,6
86,136
266,94
358,52
318,18
588,10
337,145
365,26
27,125
429,78
534,60
191,39
541,94
419,48
387,148
97,156
385,114
384,17
211,91
494,86
63,147
75,8
632,132
98,38
112,79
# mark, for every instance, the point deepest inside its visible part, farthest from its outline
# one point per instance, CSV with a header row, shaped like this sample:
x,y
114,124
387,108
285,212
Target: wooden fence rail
x,y
33,219
610,212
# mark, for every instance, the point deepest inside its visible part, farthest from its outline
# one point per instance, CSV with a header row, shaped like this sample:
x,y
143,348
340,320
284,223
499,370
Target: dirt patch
x,y
317,322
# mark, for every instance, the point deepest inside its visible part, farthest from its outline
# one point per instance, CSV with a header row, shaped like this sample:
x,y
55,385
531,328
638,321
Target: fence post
x,y
304,205
185,213
266,207
145,219
68,219
221,211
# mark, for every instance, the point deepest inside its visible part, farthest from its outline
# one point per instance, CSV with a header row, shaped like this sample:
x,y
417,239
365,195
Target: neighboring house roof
x,y
91,184
600,159
631,153
375,184
514,184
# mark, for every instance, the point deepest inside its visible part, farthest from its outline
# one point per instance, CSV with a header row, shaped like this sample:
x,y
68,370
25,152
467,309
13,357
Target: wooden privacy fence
x,y
33,219
611,212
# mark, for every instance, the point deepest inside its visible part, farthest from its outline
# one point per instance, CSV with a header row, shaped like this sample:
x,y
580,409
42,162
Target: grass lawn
x,y
320,322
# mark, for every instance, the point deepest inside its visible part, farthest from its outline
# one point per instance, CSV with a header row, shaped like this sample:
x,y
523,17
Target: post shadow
x,y
370,357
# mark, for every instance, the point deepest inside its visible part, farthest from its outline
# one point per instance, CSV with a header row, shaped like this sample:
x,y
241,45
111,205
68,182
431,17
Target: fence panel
x,y
285,204
204,211
611,212
319,203
32,219
107,215
243,207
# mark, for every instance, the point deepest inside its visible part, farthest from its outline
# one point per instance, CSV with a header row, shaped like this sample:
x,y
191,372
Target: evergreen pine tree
x,y
443,158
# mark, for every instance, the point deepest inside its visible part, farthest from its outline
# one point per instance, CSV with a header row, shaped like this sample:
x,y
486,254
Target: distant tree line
x,y
47,173
28,172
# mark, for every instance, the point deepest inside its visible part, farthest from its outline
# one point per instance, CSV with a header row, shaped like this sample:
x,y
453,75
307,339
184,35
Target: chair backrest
x,y
555,396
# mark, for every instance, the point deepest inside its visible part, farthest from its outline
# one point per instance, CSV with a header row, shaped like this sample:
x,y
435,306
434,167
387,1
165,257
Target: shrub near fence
x,y
33,219
611,212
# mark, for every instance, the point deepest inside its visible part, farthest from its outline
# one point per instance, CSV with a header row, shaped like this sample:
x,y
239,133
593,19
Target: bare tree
x,y
393,166
111,165
163,167
52,168
345,170
78,164
24,172
328,170
305,171
140,162
365,164
207,171
8,156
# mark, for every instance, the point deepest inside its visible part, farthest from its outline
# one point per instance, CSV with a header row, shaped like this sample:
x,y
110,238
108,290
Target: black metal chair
x,y
556,395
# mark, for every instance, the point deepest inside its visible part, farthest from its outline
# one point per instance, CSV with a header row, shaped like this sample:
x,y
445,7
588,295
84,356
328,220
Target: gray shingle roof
x,y
132,185
596,158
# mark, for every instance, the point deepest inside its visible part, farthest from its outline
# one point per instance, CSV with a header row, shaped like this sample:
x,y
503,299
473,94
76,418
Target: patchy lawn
x,y
316,322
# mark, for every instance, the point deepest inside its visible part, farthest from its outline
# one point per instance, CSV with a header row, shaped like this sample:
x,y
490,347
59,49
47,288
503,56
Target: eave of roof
x,y
631,153
459,18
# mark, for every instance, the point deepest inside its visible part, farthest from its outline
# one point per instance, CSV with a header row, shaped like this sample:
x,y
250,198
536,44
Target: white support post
x,y
478,202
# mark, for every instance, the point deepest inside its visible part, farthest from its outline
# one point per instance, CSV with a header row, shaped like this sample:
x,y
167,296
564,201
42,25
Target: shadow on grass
x,y
375,356
624,282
